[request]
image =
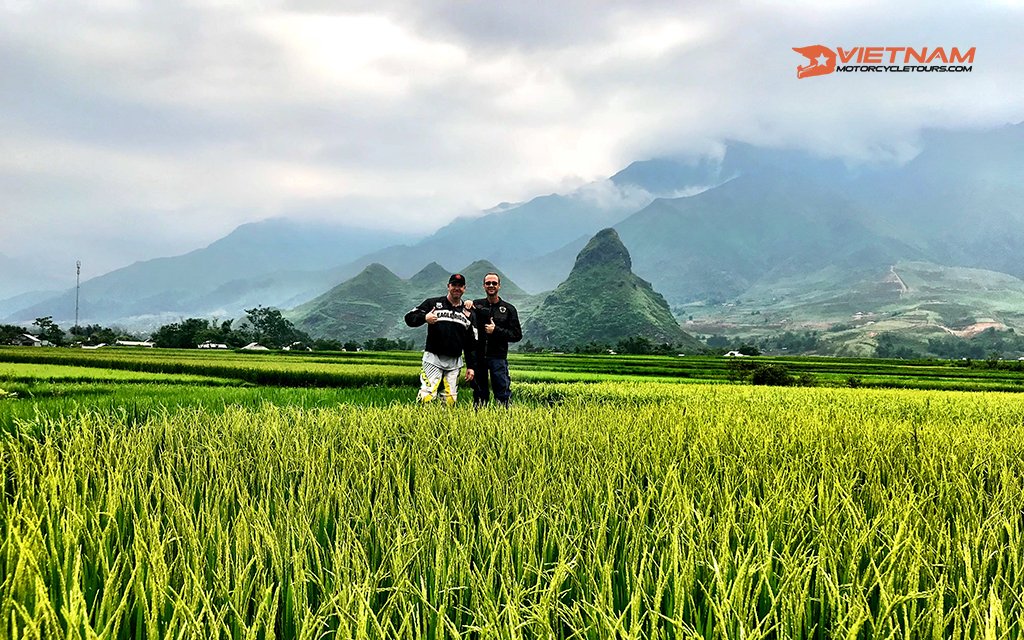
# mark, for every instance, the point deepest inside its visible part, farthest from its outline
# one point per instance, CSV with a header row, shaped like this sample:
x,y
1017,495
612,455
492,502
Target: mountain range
x,y
374,302
25,282
275,262
799,240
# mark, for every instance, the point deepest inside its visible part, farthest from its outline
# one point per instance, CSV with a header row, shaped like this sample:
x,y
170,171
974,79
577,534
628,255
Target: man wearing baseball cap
x,y
450,334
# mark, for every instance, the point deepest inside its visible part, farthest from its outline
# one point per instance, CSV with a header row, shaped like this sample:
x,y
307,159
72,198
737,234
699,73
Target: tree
x,y
8,332
387,344
271,329
190,333
49,331
749,350
529,347
718,342
635,345
771,374
186,334
327,344
95,334
891,346
224,334
593,347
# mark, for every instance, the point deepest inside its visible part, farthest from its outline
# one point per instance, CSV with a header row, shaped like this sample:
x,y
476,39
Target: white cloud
x,y
605,194
363,53
179,121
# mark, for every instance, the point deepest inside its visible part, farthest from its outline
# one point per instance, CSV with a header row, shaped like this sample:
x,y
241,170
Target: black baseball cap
x,y
457,278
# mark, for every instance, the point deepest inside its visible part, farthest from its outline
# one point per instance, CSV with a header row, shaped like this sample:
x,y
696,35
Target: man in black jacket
x,y
450,333
497,324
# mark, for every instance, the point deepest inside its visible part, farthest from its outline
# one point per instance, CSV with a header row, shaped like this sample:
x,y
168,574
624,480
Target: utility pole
x,y
78,286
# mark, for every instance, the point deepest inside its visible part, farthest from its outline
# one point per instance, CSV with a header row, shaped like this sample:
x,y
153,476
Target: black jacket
x,y
451,335
506,327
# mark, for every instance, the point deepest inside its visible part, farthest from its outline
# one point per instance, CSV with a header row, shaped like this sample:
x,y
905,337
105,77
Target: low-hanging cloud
x,y
173,123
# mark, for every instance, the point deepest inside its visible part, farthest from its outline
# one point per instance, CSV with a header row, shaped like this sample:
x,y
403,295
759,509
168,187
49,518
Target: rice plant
x,y
589,511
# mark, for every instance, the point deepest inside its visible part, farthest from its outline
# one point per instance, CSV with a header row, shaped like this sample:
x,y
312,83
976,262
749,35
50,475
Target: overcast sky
x,y
131,130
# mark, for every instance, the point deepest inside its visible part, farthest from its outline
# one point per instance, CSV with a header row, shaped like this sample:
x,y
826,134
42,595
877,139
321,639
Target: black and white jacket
x,y
452,335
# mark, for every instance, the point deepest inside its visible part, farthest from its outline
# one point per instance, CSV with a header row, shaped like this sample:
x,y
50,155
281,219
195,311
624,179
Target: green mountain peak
x,y
606,251
430,275
373,303
602,300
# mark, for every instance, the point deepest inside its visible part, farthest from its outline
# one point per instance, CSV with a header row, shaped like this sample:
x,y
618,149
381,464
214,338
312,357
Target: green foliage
x,y
278,369
758,372
602,302
718,342
271,329
387,344
190,333
635,345
49,330
400,368
9,332
639,510
327,344
775,375
890,345
527,346
590,348
792,342
33,373
95,334
641,345
980,346
788,342
749,350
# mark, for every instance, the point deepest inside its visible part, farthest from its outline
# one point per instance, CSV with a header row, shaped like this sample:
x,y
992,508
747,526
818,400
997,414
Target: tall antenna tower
x,y
78,286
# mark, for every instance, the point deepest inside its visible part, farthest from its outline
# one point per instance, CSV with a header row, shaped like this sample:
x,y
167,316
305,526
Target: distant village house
x,y
212,345
29,340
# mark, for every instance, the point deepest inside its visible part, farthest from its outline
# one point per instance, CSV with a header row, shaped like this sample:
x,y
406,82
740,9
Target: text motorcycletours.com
x,y
825,60
905,68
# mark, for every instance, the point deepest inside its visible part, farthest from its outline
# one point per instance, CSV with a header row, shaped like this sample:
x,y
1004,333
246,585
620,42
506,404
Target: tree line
x,y
263,325
632,345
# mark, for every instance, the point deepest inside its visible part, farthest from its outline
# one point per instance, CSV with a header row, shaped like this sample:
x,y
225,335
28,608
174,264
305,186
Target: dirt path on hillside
x,y
972,330
895,277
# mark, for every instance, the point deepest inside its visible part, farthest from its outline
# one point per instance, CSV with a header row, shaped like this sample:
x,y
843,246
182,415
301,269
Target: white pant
x,y
438,382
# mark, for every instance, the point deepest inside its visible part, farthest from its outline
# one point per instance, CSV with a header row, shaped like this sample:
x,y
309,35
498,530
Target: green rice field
x,y
294,369
174,494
